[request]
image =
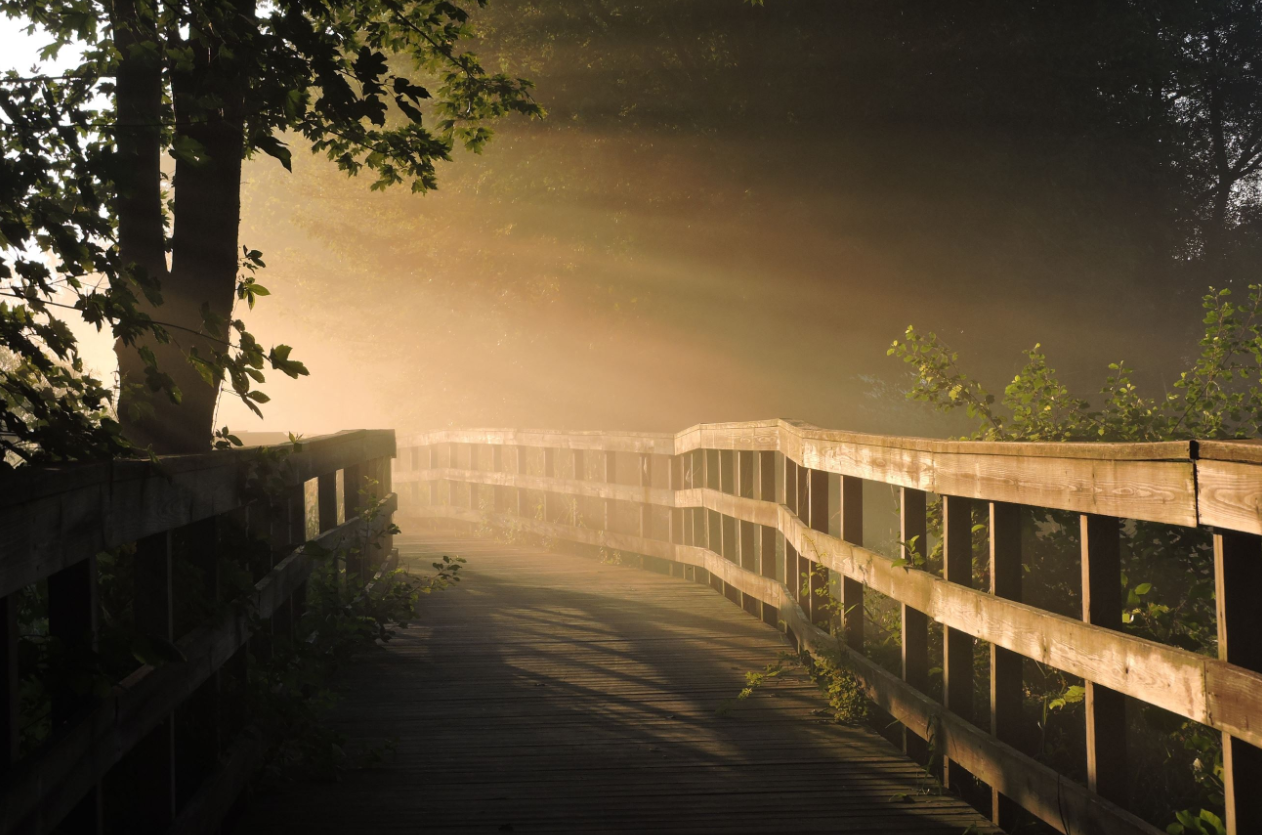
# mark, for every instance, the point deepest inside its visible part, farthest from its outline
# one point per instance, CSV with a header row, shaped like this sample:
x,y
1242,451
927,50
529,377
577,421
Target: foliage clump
x,y
1218,397
1167,577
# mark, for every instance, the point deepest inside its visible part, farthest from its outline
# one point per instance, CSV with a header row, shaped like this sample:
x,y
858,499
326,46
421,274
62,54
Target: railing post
x,y
646,481
519,468
749,561
326,501
817,508
701,481
1100,545
198,717
296,506
73,613
73,616
852,532
354,480
767,566
12,696
475,503
792,567
914,535
433,485
727,472
957,646
1005,665
731,553
676,522
153,759
699,534
611,477
385,486
767,533
1238,576
791,484
549,471
714,540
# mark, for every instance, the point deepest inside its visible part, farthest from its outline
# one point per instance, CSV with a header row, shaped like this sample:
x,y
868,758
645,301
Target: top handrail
x,y
730,433
1186,483
54,516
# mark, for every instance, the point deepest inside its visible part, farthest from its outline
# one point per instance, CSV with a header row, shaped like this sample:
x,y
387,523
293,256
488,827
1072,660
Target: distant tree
x,y
85,205
1196,78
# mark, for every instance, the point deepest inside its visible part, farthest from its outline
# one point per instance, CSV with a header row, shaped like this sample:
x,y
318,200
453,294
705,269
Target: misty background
x,y
728,214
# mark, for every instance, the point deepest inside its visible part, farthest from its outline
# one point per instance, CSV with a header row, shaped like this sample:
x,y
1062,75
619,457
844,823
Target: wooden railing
x,y
743,506
157,754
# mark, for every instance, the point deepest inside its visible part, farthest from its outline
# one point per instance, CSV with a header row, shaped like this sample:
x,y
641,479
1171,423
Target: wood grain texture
x,y
1062,804
1229,495
574,487
1238,573
552,693
1206,690
1147,481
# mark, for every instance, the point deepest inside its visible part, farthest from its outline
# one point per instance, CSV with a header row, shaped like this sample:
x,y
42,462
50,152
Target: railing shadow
x,y
552,692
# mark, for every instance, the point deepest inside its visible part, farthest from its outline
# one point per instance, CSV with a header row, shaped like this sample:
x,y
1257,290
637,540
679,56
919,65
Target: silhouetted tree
x,y
209,82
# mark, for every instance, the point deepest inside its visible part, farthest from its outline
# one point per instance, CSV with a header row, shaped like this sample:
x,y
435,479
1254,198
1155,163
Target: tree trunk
x,y
204,244
138,205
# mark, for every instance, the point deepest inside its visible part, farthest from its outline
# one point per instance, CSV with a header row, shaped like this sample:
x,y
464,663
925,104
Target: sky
x,y
721,219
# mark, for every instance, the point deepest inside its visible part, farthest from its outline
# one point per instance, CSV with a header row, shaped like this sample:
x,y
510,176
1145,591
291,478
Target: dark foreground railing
x,y
745,506
155,753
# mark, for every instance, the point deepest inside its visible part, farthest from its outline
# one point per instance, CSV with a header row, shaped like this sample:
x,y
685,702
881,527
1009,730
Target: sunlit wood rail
x,y
156,754
743,506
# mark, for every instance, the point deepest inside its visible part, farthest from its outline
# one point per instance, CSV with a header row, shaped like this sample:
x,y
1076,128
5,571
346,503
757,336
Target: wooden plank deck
x,y
553,693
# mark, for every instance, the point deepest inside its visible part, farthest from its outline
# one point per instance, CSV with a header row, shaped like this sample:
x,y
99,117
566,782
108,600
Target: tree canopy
x,y
89,210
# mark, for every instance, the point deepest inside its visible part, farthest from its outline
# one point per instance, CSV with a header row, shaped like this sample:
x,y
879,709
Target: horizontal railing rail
x,y
54,524
720,499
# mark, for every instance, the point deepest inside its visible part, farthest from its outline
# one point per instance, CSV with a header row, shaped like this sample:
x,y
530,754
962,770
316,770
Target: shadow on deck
x,y
553,693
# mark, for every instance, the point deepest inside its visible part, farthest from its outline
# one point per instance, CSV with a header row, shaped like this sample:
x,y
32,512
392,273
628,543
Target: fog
x,y
729,214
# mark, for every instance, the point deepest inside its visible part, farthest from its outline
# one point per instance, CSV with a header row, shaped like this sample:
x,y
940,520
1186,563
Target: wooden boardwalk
x,y
552,693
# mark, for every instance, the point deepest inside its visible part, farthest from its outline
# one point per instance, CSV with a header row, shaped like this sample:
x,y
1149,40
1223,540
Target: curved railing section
x,y
747,506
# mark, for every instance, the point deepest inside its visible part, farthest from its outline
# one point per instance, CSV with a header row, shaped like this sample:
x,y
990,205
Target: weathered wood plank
x,y
1107,772
1238,575
1206,690
1006,694
1229,495
658,443
913,542
1147,481
1063,804
602,719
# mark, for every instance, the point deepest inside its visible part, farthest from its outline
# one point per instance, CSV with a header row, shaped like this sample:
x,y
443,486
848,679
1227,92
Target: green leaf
x,y
187,149
273,147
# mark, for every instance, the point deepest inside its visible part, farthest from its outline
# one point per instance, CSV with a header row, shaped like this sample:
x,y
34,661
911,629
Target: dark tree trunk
x,y
204,248
138,179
